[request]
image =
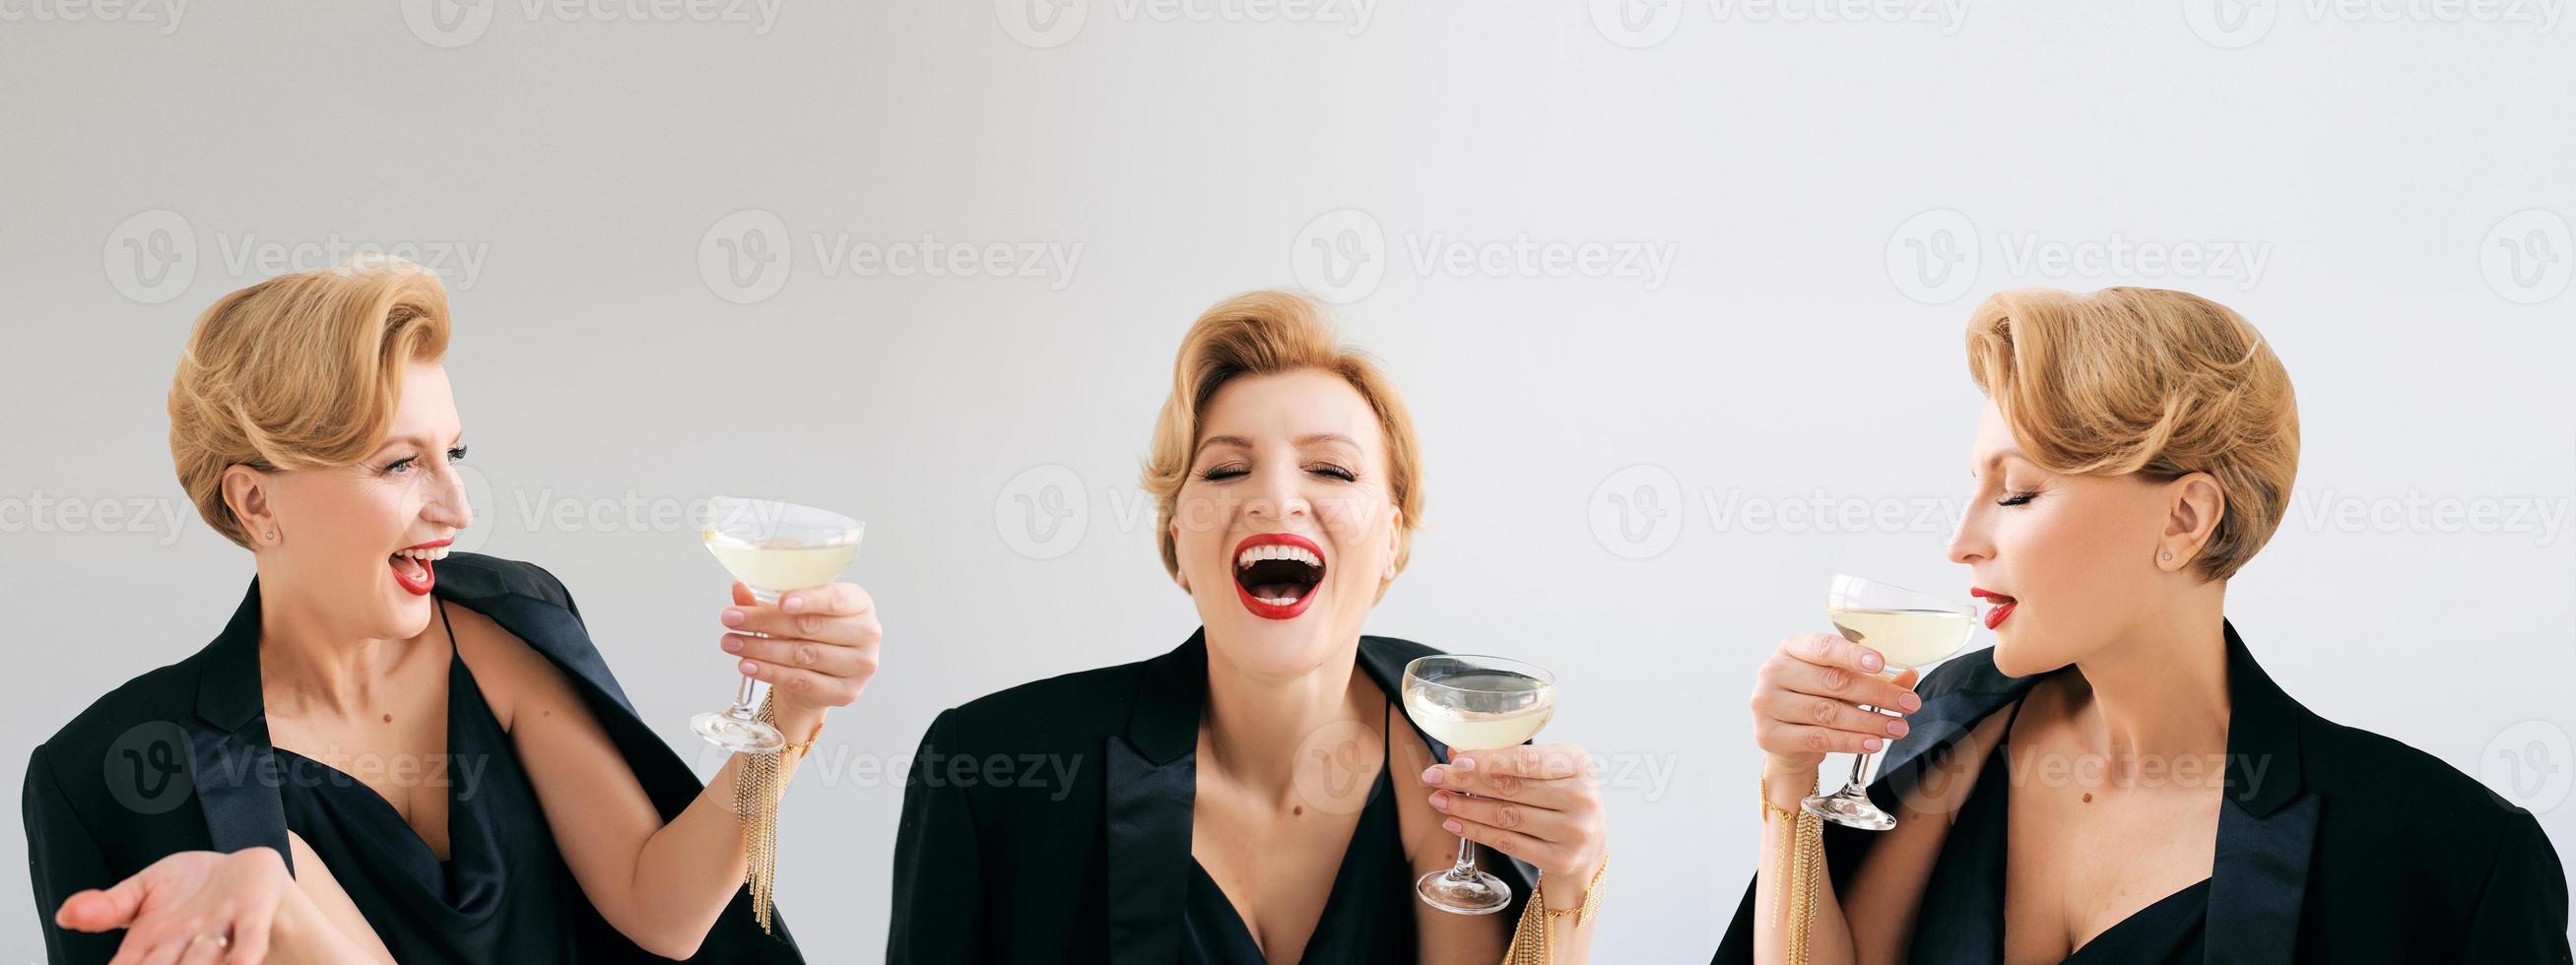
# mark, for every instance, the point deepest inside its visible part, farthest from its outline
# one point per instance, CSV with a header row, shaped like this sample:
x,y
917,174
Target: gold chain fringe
x,y
1802,861
1530,940
755,798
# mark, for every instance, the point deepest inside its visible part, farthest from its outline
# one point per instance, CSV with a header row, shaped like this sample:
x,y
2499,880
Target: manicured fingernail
x,y
1431,776
749,668
1870,743
1463,763
795,603
732,644
1440,799
1910,702
1453,827
1869,661
731,618
1896,728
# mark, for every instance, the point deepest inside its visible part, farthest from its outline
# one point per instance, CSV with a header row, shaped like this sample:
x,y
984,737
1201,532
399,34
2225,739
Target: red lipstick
x,y
1266,609
2002,608
401,566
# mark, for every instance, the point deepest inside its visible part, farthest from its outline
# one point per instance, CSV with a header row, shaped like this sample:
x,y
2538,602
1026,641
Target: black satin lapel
x,y
237,781
1942,722
2259,881
1149,831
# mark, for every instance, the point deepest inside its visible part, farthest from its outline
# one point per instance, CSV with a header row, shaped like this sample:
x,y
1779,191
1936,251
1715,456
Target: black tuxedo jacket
x,y
1051,822
2335,845
178,759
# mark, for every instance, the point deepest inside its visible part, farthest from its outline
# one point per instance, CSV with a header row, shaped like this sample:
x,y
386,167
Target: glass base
x,y
1473,893
736,734
1850,808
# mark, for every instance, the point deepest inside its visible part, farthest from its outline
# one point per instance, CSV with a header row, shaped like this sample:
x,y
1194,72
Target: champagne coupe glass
x,y
1908,629
772,547
1474,704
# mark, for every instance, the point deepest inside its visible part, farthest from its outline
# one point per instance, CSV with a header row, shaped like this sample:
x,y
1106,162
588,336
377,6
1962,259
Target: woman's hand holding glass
x,y
1539,803
1807,703
816,647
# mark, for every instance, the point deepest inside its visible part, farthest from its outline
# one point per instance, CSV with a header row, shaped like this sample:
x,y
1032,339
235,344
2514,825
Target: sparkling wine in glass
x,y
1474,704
1908,629
772,547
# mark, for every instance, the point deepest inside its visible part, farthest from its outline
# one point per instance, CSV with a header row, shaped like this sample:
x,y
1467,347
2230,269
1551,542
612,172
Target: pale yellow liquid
x,y
1521,710
1905,638
775,570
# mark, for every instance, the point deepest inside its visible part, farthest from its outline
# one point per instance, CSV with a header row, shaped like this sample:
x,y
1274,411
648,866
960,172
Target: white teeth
x,y
1277,551
433,553
1278,601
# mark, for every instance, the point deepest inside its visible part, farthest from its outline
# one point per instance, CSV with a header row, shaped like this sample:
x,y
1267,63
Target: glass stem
x,y
1466,858
1860,763
742,699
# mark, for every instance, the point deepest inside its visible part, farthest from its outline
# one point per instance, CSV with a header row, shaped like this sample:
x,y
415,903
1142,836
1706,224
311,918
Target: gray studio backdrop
x,y
1674,289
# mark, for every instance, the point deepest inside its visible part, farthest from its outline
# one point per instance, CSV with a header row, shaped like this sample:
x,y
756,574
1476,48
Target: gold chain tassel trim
x,y
1531,938
1802,861
756,792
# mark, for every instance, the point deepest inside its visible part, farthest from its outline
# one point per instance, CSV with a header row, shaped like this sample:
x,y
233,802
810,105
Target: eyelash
x,y
2017,499
404,464
1223,473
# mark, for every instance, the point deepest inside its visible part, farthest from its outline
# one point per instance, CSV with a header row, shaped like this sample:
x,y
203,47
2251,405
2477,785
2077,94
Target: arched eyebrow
x,y
1310,439
421,441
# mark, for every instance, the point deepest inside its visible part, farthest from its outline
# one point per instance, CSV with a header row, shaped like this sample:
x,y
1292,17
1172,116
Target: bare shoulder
x,y
505,668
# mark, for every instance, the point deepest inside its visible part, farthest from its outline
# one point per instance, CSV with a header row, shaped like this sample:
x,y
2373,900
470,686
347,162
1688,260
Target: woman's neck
x,y
2158,695
1255,724
305,668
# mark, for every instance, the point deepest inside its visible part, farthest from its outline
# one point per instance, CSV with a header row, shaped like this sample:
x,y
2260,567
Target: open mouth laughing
x,y
1277,574
412,565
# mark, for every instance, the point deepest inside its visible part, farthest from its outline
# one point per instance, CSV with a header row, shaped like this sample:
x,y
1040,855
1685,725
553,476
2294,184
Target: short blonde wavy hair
x,y
2144,380
299,371
1269,333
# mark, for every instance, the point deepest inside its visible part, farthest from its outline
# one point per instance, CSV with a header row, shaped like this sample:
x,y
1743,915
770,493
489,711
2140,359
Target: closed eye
x,y
2016,499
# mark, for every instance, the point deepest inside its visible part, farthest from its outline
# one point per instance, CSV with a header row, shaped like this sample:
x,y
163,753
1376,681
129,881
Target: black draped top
x,y
501,894
1368,917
